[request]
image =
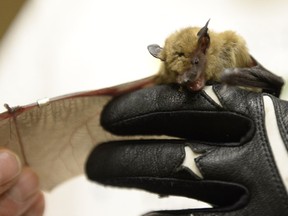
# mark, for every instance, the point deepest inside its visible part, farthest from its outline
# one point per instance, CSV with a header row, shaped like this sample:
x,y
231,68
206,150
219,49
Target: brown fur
x,y
226,50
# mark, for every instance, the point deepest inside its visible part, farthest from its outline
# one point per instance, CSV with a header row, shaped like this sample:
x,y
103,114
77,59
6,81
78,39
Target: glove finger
x,y
133,158
125,164
164,110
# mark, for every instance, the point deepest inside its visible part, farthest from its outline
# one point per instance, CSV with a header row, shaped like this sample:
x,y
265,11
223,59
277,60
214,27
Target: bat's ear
x,y
156,51
204,38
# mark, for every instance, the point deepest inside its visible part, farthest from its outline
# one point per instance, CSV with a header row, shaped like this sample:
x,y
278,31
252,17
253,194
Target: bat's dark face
x,y
184,57
190,68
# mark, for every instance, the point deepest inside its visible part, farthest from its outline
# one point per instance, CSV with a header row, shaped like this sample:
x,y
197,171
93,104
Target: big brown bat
x,y
194,57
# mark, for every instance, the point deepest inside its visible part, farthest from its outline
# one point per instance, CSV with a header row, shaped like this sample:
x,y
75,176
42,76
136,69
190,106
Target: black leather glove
x,y
225,148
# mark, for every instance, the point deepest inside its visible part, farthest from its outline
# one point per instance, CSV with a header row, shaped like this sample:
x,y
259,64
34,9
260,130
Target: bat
x,y
194,57
54,137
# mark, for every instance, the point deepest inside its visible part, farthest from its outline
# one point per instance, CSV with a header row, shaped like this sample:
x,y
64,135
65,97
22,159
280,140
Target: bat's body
x,y
227,50
193,57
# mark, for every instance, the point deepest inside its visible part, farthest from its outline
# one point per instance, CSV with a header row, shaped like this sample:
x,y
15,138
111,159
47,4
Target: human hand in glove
x,y
226,146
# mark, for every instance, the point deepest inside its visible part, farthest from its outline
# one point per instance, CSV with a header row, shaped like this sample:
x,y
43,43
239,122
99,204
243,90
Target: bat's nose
x,y
186,77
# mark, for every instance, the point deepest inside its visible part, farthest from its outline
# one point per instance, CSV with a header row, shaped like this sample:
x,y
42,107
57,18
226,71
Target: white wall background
x,y
62,46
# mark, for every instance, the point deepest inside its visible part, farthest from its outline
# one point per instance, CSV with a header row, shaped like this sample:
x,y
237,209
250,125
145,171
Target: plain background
x,y
57,47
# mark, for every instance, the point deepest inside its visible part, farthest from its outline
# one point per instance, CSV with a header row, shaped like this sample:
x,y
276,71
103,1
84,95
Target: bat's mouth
x,y
192,81
197,84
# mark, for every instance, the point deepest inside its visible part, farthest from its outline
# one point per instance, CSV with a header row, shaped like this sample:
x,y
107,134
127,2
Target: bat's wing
x,y
256,76
55,138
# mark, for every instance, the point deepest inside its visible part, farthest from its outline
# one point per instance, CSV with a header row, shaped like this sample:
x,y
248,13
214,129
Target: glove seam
x,y
199,159
210,100
268,152
281,125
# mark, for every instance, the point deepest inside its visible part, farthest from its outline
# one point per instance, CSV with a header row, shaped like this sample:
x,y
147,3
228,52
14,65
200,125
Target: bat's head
x,y
184,56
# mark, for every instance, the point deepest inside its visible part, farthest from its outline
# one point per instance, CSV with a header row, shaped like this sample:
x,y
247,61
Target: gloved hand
x,y
226,148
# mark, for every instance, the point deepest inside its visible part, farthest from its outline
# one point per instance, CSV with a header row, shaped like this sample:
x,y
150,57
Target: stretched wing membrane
x,y
55,139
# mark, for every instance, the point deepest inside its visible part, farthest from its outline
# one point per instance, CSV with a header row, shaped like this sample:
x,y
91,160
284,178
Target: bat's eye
x,y
195,61
180,54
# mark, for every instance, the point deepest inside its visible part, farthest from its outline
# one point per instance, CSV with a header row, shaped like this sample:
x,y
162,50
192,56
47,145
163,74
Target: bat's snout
x,y
187,77
193,80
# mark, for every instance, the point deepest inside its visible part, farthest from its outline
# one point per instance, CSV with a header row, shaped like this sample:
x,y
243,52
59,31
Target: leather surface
x,y
239,173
